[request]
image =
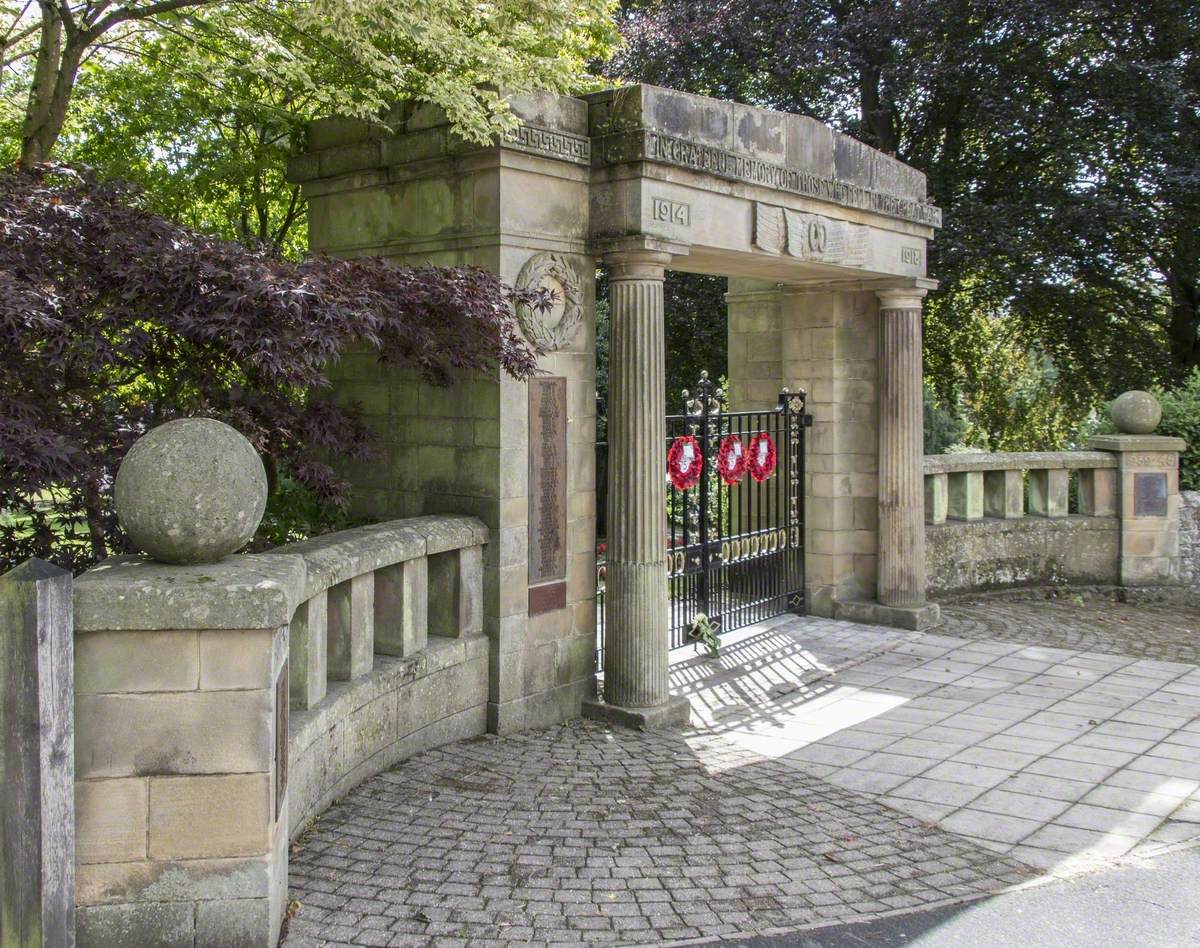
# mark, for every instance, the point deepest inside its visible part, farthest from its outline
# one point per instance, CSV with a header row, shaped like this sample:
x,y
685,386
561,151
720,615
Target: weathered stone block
x,y
176,732
208,817
351,628
1098,492
1004,494
1048,492
402,608
236,660
161,924
133,661
111,820
233,923
456,592
937,498
309,639
965,495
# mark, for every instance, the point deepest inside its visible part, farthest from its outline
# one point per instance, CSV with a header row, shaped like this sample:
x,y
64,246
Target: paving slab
x,y
833,772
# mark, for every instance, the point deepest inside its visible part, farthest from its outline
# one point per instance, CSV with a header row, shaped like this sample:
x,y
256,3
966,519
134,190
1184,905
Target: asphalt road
x,y
1151,904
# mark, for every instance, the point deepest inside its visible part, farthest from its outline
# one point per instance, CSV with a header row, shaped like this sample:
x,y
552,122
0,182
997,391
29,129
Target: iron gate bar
x,y
735,553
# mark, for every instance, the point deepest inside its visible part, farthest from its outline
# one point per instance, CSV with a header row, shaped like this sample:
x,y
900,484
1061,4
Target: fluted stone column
x,y
901,580
636,690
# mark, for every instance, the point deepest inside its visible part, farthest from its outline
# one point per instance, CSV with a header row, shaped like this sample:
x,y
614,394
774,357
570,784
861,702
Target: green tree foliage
x,y
201,100
114,320
1062,137
1181,418
695,320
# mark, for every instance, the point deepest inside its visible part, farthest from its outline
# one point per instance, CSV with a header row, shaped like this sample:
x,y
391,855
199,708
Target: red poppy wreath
x,y
685,461
762,456
731,459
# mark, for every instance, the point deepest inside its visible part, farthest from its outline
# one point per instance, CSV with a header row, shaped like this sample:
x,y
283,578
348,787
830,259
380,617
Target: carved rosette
x,y
551,330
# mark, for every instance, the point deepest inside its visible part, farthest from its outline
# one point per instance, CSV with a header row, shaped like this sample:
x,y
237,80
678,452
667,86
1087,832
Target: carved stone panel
x,y
547,479
811,237
553,329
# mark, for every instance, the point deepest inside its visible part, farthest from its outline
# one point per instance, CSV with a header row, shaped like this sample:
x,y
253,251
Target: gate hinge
x,y
807,420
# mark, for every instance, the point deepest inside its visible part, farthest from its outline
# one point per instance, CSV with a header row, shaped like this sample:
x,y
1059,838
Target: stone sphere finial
x,y
191,491
1136,413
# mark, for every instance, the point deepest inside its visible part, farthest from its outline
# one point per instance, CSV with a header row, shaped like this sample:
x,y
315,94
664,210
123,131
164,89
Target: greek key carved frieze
x,y
551,143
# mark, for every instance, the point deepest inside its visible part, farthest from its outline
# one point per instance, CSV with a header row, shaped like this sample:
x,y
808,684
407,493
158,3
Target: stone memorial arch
x,y
824,243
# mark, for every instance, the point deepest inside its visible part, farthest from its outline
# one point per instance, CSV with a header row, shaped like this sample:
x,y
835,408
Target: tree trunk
x,y
53,82
877,123
1183,327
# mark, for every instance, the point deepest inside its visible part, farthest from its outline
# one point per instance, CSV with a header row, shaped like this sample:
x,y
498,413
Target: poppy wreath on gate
x,y
685,461
731,459
763,457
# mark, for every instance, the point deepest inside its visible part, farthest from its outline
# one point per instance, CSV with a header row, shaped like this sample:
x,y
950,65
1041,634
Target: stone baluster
x,y
901,581
636,637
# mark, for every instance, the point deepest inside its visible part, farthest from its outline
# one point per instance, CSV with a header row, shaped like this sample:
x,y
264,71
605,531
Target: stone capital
x,y
637,265
901,298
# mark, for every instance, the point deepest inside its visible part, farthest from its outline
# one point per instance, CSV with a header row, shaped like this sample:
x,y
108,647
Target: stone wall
x,y
421,196
987,554
825,343
186,763
1189,538
406,705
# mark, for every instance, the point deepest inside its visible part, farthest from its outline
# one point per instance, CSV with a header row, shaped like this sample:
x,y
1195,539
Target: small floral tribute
x,y
685,461
763,457
731,459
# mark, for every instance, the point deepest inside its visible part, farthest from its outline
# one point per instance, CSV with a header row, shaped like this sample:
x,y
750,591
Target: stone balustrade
x,y
1079,518
190,778
1012,485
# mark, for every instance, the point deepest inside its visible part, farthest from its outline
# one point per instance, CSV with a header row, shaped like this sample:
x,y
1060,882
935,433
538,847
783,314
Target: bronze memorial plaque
x,y
547,492
1150,495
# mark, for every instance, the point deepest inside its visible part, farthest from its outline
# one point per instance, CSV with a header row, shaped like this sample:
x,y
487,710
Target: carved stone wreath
x,y
551,271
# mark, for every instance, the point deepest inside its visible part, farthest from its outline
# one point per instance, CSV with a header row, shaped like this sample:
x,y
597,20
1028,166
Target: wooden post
x,y
37,762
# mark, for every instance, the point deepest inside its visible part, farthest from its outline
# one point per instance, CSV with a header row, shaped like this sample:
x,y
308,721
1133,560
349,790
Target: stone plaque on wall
x,y
1150,495
547,481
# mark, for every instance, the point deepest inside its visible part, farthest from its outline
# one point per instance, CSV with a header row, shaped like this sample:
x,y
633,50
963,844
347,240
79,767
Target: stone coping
x,y
255,591
1131,442
642,123
1017,461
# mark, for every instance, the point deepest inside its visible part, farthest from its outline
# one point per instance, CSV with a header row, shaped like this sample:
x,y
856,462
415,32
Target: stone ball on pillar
x,y
191,491
1136,413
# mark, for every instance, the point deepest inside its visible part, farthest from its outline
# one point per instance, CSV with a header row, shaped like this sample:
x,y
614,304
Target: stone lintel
x,y
914,618
915,285
675,713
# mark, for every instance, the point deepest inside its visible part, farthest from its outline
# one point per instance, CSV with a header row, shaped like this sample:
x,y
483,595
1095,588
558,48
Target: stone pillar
x,y
636,688
901,579
1148,505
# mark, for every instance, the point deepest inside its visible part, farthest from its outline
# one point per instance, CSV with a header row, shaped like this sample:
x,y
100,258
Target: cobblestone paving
x,y
579,835
834,772
1166,632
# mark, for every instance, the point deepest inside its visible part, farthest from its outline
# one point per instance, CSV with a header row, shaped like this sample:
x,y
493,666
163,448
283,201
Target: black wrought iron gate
x,y
735,512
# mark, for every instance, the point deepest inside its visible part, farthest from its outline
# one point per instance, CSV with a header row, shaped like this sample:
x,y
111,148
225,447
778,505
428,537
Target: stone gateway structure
x,y
824,242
